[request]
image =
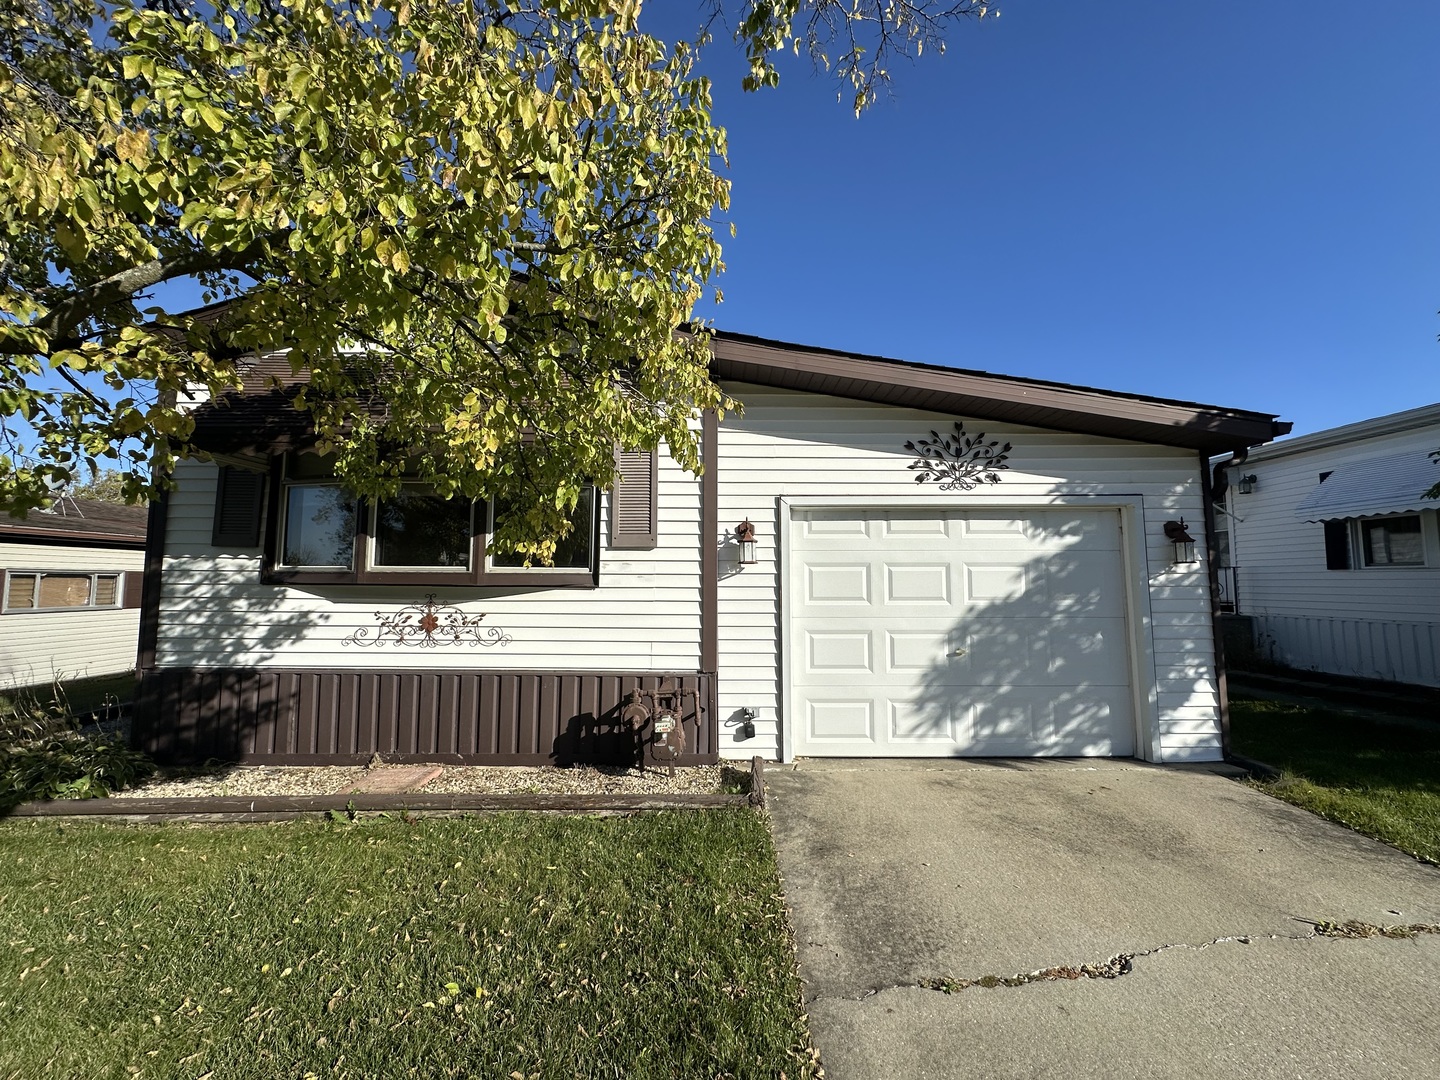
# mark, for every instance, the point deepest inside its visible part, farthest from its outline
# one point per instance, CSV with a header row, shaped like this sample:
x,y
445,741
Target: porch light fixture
x,y
747,723
1246,484
1183,541
745,537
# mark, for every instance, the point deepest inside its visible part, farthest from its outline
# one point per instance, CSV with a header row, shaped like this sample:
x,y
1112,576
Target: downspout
x,y
1214,484
1220,478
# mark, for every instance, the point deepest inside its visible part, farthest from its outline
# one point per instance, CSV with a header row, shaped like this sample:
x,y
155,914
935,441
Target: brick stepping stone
x,y
395,779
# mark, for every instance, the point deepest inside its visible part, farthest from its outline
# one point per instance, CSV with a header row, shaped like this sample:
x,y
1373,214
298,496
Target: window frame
x,y
370,542
1360,548
93,575
362,572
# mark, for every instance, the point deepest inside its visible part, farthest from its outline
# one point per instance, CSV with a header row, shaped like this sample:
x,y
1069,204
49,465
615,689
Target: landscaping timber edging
x,y
220,808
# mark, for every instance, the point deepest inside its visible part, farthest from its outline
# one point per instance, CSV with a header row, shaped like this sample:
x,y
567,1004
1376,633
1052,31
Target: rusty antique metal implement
x,y
663,710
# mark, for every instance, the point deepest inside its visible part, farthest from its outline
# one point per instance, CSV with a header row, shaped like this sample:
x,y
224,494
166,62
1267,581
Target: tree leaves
x,y
493,226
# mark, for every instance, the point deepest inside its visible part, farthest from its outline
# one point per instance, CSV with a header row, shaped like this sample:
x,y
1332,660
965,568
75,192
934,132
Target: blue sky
x,y
1228,204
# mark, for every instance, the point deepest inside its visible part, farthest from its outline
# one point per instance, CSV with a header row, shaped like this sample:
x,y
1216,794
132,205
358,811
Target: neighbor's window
x,y
59,591
319,516
419,530
575,552
1396,541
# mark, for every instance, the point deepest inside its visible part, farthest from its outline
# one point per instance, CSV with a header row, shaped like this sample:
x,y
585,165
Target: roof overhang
x,y
1004,398
1395,484
263,419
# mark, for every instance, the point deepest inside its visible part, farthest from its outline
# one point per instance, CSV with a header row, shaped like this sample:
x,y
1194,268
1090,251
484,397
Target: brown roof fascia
x,y
21,534
1010,399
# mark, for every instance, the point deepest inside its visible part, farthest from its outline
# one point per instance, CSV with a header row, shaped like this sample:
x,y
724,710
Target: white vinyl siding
x,y
39,646
805,446
645,615
1368,621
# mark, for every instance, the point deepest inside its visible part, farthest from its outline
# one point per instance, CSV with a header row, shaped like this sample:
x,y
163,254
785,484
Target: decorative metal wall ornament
x,y
429,625
962,461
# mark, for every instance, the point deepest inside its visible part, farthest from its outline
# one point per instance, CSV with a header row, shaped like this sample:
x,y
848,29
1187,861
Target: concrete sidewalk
x,y
903,873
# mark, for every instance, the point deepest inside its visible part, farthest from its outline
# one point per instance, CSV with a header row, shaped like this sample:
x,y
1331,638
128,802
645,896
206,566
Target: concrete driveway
x,y
902,873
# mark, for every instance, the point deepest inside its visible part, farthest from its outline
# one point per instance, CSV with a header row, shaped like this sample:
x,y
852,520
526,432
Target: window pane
x,y
310,467
64,590
416,529
1394,542
319,527
572,553
105,590
21,591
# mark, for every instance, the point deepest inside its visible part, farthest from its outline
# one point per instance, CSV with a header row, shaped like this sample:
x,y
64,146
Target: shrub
x,y
45,755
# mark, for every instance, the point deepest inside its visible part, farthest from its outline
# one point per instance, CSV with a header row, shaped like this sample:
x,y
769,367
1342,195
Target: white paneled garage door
x,y
959,633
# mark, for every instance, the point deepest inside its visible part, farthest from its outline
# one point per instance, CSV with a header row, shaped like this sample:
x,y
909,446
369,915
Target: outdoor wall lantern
x,y
745,537
1246,485
1183,541
747,723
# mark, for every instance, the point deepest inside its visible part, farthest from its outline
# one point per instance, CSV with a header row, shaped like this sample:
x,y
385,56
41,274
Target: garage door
x,y
959,633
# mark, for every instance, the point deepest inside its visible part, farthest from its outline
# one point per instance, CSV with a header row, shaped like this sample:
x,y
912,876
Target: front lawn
x,y
1379,778
500,946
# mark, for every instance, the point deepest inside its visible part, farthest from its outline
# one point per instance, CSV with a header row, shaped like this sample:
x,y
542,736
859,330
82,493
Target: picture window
x,y
323,534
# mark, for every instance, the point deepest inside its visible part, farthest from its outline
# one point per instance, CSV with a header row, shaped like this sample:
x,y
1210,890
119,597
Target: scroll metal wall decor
x,y
962,461
429,625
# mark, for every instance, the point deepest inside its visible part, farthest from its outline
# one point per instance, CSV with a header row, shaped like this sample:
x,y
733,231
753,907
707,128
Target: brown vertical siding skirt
x,y
189,715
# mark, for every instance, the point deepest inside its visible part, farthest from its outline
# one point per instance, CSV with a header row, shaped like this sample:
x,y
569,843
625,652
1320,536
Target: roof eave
x,y
990,397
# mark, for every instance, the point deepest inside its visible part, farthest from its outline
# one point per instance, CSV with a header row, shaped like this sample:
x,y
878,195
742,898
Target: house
x,y
71,605
805,596
1336,550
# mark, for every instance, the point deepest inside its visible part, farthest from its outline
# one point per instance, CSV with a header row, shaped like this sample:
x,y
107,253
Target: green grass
x,y
529,945
1379,778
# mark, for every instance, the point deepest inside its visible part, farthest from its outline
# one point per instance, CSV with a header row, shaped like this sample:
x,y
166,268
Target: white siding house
x,y
1337,551
1023,599
71,602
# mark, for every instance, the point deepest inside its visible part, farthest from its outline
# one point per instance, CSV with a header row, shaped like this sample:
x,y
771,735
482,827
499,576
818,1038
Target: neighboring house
x,y
1044,613
71,601
1336,550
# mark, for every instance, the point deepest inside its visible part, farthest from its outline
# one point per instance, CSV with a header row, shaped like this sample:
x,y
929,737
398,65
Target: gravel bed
x,y
247,780
520,779
455,780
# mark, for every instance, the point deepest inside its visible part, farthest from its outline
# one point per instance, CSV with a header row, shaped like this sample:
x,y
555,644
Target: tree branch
x,y
66,317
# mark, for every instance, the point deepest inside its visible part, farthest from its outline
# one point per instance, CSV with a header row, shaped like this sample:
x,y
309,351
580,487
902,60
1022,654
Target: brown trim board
x,y
12,534
1006,398
709,545
150,583
1222,688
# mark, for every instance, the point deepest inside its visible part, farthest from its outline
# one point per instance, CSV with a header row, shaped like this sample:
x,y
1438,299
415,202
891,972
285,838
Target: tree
x,y
107,485
856,40
477,224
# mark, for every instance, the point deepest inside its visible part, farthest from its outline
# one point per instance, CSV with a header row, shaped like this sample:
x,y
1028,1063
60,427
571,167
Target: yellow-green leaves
x,y
477,234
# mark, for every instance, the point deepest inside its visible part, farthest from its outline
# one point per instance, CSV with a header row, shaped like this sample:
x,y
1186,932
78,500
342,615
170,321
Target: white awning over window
x,y
1388,485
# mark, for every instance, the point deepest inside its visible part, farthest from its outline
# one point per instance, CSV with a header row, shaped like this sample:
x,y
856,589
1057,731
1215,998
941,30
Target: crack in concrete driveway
x,y
1122,964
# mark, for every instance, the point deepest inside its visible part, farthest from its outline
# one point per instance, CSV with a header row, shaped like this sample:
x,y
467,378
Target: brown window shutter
x,y
238,507
134,587
634,521
1337,545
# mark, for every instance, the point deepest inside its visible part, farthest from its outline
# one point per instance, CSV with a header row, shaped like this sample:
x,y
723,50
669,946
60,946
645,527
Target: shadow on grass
x,y
1337,749
1379,778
